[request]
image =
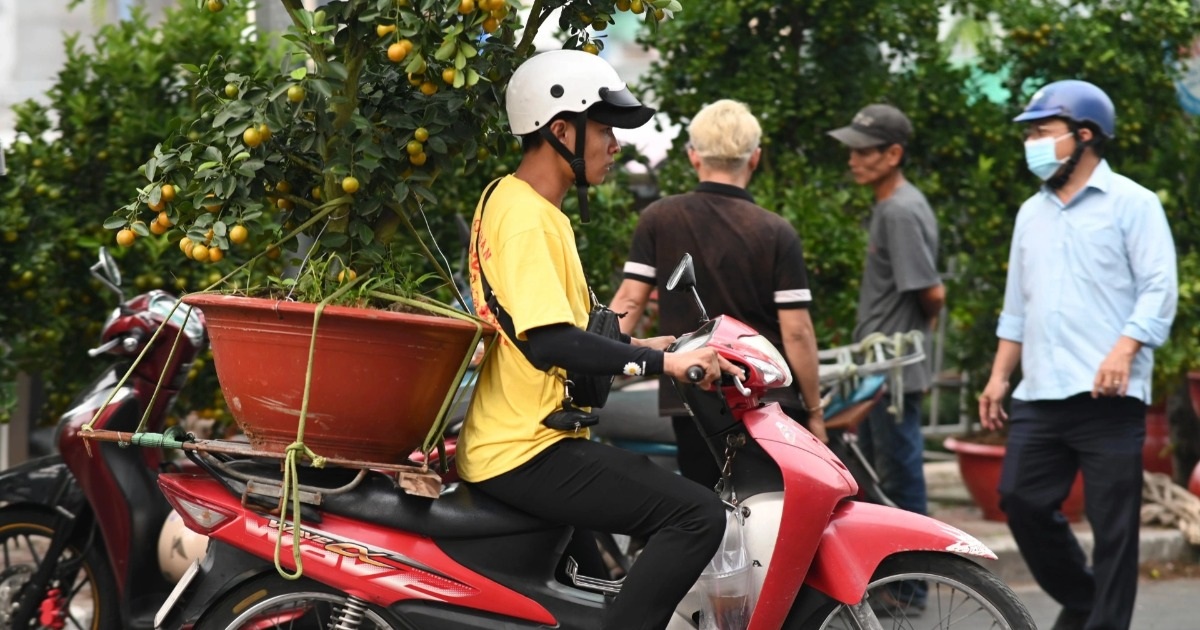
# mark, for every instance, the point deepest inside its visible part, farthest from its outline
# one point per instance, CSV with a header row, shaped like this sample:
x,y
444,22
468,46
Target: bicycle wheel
x,y
961,596
88,599
271,602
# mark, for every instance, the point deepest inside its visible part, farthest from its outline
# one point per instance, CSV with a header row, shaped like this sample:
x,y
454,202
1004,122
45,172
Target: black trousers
x,y
1048,442
594,486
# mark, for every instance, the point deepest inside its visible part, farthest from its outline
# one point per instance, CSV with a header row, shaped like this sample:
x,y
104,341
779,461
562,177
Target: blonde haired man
x,y
725,136
749,264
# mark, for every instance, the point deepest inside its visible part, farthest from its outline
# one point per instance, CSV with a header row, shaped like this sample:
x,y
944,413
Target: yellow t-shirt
x,y
527,249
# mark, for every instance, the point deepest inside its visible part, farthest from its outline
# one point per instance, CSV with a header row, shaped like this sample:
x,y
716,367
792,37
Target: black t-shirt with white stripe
x,y
749,262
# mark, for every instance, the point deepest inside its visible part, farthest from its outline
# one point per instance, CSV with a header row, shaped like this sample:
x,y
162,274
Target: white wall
x,y
32,33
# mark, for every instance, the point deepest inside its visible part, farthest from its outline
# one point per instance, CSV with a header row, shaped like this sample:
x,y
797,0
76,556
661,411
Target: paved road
x,y
1167,604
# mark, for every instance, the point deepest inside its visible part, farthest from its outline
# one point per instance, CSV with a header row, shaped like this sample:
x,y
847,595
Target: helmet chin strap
x,y
578,166
1059,179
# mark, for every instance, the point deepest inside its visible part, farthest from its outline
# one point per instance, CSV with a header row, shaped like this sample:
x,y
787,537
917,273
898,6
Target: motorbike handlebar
x,y
695,374
129,341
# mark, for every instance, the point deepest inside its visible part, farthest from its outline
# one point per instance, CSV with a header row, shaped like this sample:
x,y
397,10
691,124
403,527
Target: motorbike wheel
x,y
962,595
89,602
270,601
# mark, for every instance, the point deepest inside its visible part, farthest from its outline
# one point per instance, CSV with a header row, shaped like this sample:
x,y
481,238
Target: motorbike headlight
x,y
775,369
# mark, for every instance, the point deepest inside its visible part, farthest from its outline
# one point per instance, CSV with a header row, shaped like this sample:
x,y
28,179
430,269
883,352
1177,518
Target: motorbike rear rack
x,y
415,479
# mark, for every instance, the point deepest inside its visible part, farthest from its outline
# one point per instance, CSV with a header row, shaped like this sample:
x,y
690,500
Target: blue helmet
x,y
1077,101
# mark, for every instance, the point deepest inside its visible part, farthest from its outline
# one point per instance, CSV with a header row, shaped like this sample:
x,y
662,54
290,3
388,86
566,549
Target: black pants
x,y
590,485
1048,442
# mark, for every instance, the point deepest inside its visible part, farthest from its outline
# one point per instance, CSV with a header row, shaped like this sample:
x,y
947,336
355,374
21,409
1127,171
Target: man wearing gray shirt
x,y
901,291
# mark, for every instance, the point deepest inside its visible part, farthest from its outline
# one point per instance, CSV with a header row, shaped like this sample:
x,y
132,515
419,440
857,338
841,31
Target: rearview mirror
x,y
684,276
106,271
684,279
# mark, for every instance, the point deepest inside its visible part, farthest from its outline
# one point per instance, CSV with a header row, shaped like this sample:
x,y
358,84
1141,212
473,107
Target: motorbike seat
x,y
463,511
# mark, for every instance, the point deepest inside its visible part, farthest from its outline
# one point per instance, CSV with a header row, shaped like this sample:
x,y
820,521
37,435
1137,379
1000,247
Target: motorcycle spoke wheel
x,y
87,602
271,603
961,596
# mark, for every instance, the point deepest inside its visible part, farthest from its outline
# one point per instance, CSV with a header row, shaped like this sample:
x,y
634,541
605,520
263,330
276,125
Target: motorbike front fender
x,y
860,535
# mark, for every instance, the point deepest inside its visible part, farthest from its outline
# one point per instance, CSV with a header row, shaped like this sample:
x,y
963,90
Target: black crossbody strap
x,y
502,316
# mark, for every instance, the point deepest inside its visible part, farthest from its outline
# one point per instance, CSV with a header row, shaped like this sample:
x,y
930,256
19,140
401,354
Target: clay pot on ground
x,y
980,463
1156,452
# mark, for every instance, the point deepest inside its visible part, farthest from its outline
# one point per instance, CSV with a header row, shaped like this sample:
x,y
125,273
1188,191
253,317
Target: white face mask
x,y
1041,156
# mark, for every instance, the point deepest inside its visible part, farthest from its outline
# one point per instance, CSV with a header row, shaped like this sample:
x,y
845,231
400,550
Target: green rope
x,y
434,438
291,486
170,357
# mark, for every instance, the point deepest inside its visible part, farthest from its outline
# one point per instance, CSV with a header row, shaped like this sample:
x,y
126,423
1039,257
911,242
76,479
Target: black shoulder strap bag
x,y
579,390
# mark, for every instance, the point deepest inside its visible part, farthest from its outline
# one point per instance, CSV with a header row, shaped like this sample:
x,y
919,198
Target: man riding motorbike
x,y
527,278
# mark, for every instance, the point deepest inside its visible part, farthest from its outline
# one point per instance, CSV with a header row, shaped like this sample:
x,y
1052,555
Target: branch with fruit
x,y
383,99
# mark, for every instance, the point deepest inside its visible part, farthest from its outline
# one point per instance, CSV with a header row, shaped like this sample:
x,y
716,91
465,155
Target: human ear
x,y
559,129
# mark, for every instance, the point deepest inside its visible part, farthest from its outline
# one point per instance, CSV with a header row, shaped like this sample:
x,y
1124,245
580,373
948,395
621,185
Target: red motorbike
x,y
376,557
80,529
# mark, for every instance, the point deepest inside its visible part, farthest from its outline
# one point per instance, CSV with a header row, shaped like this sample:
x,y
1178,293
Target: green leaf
x,y
363,232
446,50
424,192
320,86
207,165
472,76
416,64
152,169
334,240
338,70
401,191
233,109
279,89
112,223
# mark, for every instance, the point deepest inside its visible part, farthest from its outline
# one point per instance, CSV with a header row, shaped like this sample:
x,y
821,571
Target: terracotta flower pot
x,y
1194,481
1156,451
979,465
379,378
1194,390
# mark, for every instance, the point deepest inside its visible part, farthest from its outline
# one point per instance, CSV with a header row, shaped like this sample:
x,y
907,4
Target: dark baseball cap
x,y
873,126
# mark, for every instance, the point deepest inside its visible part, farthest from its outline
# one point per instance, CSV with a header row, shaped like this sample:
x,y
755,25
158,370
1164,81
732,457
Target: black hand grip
x,y
695,374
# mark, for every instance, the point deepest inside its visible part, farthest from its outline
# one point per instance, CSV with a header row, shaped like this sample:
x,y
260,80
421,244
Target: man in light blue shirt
x,y
1091,291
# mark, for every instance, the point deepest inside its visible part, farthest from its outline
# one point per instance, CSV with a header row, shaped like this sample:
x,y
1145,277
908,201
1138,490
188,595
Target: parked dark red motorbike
x,y
375,557
80,528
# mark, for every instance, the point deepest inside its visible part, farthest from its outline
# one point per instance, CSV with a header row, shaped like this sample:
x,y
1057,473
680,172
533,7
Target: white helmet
x,y
178,546
576,82
560,81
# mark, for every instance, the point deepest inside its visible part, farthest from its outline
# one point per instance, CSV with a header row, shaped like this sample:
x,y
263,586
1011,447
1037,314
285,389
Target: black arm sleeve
x,y
577,350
